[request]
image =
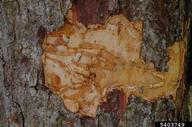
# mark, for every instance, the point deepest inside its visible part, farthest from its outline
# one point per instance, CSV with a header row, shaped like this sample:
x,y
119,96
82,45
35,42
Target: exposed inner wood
x,y
81,64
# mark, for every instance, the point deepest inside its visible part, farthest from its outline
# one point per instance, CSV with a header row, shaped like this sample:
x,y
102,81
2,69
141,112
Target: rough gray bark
x,y
25,101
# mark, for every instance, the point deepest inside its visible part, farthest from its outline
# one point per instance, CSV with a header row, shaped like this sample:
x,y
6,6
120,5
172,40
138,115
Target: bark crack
x,y
21,113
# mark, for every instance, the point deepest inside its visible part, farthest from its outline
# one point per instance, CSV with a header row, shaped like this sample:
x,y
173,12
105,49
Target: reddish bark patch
x,y
116,103
24,61
91,11
41,32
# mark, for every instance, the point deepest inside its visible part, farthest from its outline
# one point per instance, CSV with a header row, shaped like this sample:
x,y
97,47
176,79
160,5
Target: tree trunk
x,y
25,101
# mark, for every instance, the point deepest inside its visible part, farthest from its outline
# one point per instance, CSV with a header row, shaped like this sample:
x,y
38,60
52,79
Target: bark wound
x,y
82,64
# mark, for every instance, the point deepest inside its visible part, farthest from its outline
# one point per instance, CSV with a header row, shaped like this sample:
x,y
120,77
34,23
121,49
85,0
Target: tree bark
x,y
25,101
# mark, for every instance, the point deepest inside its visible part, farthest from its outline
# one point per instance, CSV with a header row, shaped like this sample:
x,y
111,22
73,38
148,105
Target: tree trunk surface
x,y
25,101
